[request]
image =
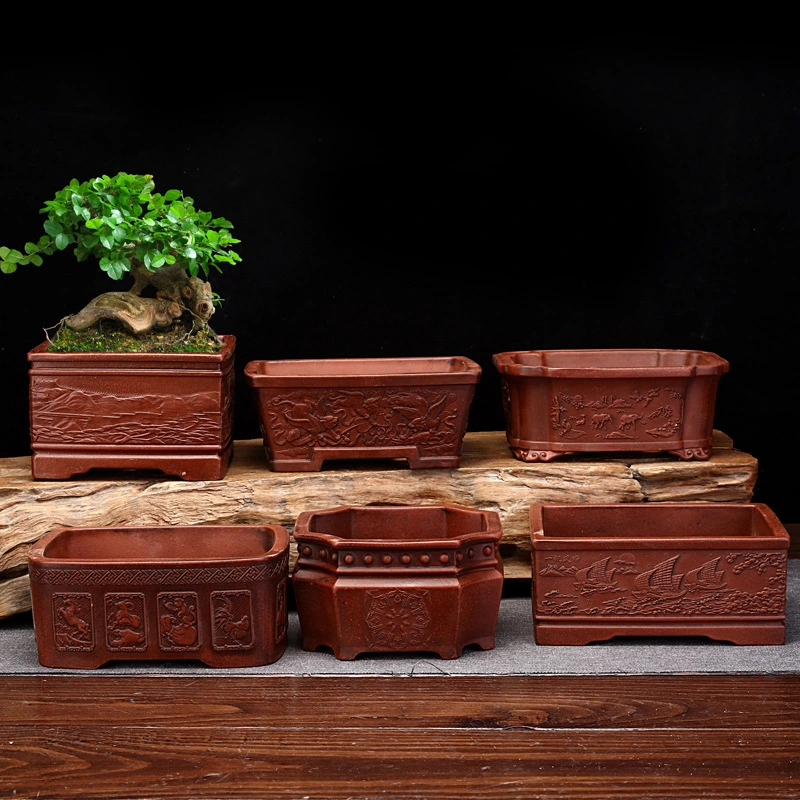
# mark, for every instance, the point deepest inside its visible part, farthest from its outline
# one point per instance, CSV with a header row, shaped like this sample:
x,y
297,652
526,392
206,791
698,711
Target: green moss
x,y
112,339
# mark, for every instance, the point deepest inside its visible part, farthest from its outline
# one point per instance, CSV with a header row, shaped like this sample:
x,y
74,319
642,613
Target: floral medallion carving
x,y
398,619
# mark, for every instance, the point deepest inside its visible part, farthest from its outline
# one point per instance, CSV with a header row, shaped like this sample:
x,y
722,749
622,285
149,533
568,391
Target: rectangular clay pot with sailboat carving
x,y
410,408
214,593
171,412
593,401
658,569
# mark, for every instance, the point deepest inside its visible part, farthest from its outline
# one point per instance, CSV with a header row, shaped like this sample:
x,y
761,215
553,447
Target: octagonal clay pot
x,y
411,408
213,593
658,569
591,401
398,579
171,412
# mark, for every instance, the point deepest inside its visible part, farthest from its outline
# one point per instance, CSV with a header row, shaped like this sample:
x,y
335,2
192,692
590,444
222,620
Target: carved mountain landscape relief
x,y
72,415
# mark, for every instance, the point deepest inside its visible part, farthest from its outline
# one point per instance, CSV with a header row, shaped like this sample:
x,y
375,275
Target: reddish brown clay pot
x,y
412,408
398,579
162,411
212,593
589,401
658,569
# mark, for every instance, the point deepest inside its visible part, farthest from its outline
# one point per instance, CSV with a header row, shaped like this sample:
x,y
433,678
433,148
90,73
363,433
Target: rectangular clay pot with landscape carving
x,y
378,579
658,569
410,408
593,401
212,593
171,412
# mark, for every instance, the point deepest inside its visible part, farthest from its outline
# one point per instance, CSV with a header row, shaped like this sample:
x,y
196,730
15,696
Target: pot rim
x,y
492,532
776,537
37,554
706,363
414,370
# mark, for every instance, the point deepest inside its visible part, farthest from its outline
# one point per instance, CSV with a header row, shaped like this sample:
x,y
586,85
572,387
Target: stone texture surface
x,y
489,478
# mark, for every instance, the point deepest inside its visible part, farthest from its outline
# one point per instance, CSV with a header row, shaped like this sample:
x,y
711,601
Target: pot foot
x,y
532,456
692,453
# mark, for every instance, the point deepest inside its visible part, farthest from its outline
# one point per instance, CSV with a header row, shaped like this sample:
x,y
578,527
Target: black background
x,y
450,201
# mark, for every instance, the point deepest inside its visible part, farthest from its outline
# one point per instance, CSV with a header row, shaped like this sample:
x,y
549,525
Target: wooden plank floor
x,y
685,736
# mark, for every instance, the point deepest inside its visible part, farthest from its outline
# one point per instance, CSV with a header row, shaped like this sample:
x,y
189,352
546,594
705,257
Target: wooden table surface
x,y
638,736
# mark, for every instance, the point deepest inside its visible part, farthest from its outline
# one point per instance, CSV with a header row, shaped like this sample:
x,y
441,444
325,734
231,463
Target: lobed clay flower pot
x,y
212,593
162,411
411,408
589,401
398,579
658,569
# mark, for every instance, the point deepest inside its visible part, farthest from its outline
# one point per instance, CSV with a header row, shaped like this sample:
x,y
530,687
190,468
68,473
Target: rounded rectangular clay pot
x,y
171,412
411,408
590,401
658,569
398,579
215,593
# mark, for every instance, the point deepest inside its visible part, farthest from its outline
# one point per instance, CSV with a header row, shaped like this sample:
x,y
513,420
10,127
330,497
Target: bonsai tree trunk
x,y
175,293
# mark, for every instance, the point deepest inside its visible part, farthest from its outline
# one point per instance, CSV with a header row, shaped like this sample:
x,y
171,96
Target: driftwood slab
x,y
488,478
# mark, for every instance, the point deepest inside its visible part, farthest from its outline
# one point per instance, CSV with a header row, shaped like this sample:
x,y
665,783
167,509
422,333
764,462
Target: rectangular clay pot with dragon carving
x,y
171,412
378,579
658,569
214,593
593,401
410,408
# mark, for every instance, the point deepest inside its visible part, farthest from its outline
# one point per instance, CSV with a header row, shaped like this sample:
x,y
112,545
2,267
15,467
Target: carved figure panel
x,y
126,621
178,623
232,620
72,622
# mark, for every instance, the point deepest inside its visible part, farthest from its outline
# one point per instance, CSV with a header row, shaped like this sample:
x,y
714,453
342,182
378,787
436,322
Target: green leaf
x,y
7,267
172,194
117,270
4,251
190,252
119,233
158,261
107,241
62,241
94,224
36,260
52,227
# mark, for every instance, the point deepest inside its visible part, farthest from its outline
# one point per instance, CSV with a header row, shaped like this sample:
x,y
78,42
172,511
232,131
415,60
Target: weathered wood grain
x,y
433,737
489,478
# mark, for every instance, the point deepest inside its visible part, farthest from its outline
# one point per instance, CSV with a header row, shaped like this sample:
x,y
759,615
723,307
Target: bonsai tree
x,y
165,244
